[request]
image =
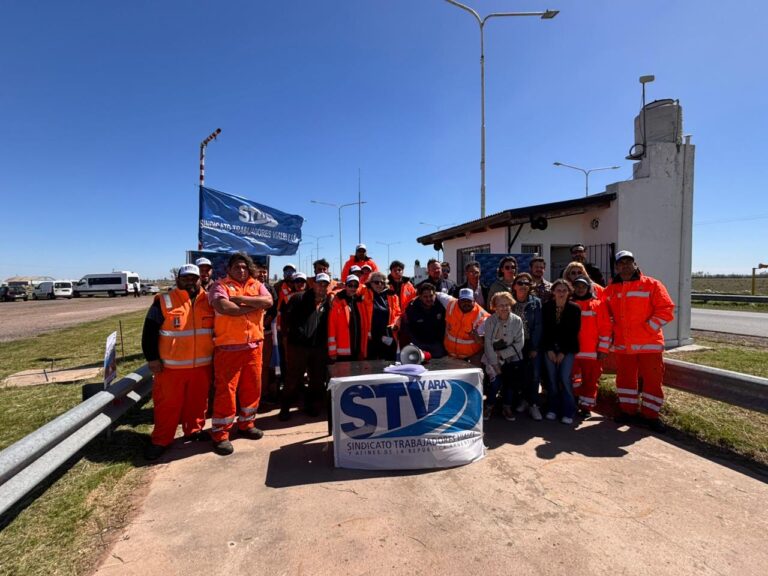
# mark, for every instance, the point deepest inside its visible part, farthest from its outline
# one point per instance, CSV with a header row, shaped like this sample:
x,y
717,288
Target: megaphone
x,y
411,355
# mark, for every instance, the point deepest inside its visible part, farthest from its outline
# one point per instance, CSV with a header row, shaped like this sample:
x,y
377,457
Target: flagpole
x,y
203,146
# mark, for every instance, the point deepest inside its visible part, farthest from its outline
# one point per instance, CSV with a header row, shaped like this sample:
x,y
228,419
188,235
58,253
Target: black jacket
x,y
563,336
306,324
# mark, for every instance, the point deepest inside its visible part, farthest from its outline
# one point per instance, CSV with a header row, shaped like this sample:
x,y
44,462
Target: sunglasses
x,y
378,282
510,267
522,283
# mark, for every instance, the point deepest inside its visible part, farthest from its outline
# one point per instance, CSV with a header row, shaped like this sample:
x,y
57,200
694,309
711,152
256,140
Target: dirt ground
x,y
25,319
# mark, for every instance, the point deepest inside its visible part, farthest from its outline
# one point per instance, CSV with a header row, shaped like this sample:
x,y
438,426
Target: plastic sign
x,y
388,422
110,359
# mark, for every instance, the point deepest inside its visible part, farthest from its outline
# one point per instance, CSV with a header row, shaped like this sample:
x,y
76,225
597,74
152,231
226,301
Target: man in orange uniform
x,y
401,285
594,344
639,306
464,319
359,258
177,342
239,301
344,324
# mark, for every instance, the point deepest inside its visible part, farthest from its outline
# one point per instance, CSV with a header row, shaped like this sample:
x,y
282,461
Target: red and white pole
x,y
203,145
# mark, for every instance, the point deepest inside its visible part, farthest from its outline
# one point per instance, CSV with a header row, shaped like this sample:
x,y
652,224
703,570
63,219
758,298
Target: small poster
x,y
110,359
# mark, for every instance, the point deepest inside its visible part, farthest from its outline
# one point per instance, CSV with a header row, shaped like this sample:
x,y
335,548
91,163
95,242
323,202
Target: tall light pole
x,y
587,172
339,206
546,15
387,244
317,239
438,227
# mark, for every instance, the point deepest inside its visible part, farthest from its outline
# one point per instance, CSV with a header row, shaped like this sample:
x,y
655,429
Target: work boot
x,y
252,433
285,415
199,436
624,418
154,451
223,448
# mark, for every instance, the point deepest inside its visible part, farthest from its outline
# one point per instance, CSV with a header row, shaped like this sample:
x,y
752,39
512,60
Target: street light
x,y
387,244
438,227
586,172
339,206
317,238
547,15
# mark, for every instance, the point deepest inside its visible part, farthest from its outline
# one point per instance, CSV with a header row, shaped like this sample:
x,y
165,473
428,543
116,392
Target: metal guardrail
x,y
743,390
30,461
707,297
27,463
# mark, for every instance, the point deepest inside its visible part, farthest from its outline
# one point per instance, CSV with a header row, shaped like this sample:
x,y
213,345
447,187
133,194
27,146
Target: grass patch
x,y
737,357
67,528
733,306
730,284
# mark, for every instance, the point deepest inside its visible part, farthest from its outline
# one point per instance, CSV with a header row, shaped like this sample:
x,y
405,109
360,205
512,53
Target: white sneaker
x,y
551,416
566,420
534,412
522,407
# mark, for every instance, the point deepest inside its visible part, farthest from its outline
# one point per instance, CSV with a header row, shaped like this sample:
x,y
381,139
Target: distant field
x,y
741,285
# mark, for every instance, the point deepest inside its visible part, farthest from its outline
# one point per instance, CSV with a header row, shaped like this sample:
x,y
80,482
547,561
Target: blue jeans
x,y
560,398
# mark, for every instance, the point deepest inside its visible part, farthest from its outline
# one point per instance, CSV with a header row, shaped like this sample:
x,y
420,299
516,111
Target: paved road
x,y
748,323
547,500
25,319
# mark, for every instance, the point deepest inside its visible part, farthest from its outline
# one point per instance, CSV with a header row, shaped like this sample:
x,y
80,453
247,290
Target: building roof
x,y
521,216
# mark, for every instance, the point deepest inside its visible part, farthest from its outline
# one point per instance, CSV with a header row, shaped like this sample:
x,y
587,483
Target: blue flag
x,y
230,223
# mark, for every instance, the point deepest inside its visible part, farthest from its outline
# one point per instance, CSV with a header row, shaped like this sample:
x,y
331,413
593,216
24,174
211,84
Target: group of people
x,y
218,339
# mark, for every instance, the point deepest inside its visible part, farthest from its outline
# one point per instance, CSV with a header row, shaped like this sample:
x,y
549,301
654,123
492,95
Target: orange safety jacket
x,y
365,306
458,341
407,293
234,330
351,262
638,309
186,336
338,328
595,331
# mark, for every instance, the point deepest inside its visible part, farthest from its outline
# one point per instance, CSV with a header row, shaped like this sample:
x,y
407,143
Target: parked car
x,y
12,293
52,290
149,289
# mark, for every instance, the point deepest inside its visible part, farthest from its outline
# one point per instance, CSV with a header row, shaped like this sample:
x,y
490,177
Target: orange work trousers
x,y
180,396
586,375
237,376
649,367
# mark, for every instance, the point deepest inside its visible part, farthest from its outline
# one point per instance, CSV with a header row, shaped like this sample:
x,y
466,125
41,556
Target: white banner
x,y
389,421
110,359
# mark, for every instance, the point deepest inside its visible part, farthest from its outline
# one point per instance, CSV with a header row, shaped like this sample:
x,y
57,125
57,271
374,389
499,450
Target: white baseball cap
x,y
323,277
466,294
624,254
299,276
203,262
289,265
360,247
354,269
189,270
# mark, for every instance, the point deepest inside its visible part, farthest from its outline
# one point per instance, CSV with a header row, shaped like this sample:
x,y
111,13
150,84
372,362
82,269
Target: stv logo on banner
x,y
230,224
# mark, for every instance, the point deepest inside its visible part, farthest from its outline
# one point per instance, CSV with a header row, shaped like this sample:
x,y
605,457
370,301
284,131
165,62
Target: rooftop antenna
x,y
633,153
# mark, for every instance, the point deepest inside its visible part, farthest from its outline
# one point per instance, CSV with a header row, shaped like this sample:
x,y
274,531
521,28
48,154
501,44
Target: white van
x,y
111,283
51,290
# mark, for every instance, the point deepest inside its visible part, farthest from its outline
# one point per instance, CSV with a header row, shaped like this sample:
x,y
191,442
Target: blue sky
x,y
104,104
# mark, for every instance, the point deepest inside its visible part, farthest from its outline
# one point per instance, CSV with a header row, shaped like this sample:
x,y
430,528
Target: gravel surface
x,y
25,319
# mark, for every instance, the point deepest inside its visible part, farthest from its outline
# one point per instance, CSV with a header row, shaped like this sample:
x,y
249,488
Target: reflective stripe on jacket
x,y
458,340
638,308
234,330
595,331
186,335
338,329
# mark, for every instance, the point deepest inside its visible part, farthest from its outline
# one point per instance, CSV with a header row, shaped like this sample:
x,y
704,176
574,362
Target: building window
x,y
465,255
531,249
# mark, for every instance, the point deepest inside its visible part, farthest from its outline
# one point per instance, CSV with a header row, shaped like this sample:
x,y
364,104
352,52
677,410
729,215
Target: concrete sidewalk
x,y
547,499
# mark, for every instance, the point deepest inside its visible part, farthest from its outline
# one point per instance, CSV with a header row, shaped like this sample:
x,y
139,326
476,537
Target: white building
x,y
650,215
